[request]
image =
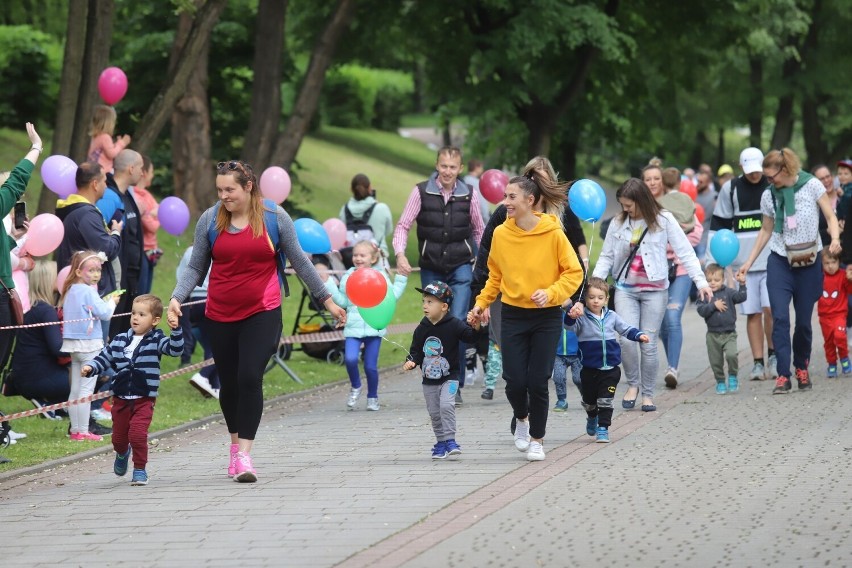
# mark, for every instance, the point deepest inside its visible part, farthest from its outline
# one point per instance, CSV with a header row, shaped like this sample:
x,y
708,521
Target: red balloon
x,y
492,185
687,187
366,287
699,212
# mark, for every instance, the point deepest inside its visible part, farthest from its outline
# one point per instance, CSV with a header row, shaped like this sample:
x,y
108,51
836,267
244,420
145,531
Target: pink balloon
x,y
492,185
112,85
59,175
336,230
44,235
61,277
275,184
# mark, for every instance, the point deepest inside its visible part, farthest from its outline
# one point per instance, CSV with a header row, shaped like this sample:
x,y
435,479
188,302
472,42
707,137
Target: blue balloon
x,y
312,237
587,200
724,246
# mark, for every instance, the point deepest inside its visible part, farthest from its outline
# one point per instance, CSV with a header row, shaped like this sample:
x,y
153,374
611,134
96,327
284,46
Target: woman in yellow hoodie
x,y
536,269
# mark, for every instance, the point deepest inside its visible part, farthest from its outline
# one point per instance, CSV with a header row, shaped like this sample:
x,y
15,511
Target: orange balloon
x,y
687,187
699,212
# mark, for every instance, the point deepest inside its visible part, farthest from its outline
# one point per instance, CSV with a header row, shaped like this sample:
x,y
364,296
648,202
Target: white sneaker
x,y
469,377
202,384
522,435
16,435
101,415
216,394
536,453
353,398
372,404
772,367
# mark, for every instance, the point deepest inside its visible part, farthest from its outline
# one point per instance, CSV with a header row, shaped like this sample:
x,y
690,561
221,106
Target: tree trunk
x,y
815,145
289,141
568,159
539,119
192,168
755,106
69,87
95,60
720,151
175,84
697,155
266,88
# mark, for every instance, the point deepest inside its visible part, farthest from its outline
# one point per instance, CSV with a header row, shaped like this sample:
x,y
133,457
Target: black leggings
x,y
529,339
241,350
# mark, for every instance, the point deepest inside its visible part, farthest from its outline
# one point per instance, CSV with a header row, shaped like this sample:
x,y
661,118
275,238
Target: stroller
x,y
312,317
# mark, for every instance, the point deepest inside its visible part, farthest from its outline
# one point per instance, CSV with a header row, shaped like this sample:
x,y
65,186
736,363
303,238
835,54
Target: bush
x,y
360,97
30,63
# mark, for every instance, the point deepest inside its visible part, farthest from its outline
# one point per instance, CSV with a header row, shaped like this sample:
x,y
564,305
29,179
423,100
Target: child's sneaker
x,y
536,451
591,425
487,394
522,435
140,477
232,460
453,449
372,404
86,437
439,451
721,388
602,435
120,464
353,398
561,406
782,385
846,365
733,383
245,470
831,373
804,379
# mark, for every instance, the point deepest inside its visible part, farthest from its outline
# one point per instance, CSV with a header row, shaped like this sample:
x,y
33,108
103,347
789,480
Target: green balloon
x,y
378,317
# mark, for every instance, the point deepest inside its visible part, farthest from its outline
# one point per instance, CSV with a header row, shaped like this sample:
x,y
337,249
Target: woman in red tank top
x,y
243,299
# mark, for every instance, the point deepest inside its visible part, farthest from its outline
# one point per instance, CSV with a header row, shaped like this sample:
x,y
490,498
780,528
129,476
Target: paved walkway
x,y
741,480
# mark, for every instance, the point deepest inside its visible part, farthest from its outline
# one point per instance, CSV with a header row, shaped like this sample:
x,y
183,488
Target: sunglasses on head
x,y
225,167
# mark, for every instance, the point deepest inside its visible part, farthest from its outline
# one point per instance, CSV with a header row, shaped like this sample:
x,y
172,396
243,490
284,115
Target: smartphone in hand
x,y
20,214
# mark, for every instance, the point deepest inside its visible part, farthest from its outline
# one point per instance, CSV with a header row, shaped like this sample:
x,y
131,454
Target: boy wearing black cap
x,y
435,348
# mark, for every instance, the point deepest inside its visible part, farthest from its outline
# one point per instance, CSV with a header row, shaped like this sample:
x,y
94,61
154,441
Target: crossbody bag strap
x,y
631,255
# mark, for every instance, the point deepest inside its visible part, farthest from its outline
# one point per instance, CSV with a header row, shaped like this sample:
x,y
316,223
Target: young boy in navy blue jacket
x,y
597,329
135,357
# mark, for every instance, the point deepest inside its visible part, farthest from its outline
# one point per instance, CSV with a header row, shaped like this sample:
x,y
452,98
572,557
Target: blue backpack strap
x,y
270,219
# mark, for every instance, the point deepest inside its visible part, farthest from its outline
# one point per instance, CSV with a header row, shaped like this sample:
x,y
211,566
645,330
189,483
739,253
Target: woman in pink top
x,y
148,208
102,149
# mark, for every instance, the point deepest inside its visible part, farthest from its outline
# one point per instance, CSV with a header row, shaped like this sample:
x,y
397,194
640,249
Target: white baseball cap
x,y
751,160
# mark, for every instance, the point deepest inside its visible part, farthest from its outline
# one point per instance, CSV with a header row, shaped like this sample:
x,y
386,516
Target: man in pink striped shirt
x,y
449,227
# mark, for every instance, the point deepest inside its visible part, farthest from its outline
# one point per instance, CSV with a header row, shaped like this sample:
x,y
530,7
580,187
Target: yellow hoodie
x,y
521,262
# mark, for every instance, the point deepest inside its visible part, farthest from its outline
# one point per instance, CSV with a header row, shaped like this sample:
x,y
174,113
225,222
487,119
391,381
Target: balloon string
x,y
591,244
398,345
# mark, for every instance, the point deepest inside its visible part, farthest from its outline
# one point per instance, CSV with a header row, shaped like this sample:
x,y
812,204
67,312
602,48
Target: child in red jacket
x,y
831,308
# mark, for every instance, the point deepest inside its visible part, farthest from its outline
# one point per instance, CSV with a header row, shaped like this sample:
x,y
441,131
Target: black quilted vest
x,y
444,231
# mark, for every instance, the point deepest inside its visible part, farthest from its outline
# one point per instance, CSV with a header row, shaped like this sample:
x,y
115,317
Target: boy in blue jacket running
x,y
597,329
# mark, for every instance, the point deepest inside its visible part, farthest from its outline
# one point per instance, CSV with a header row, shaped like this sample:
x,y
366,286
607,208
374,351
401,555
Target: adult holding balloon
x,y
368,299
243,297
364,209
634,252
738,210
10,192
84,226
790,206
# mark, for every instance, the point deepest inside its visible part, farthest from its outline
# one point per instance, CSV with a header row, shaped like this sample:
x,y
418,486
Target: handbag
x,y
802,255
633,249
16,308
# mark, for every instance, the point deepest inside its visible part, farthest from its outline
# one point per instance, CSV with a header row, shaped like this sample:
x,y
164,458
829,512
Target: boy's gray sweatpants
x,y
441,404
722,347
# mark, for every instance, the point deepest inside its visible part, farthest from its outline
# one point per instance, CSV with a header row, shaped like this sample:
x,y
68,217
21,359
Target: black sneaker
x,y
488,394
97,428
459,400
804,379
782,385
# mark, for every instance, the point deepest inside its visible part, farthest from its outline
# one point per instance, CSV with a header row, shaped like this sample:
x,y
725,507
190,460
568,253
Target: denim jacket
x,y
652,249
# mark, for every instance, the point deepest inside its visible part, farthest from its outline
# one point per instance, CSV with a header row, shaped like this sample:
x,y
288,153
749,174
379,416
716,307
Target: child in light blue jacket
x,y
365,254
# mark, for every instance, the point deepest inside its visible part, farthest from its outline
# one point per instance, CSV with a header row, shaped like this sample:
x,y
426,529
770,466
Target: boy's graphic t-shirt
x,y
435,347
435,366
835,290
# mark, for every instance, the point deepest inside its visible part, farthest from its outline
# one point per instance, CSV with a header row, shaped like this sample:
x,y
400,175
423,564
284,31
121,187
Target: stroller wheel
x,y
335,357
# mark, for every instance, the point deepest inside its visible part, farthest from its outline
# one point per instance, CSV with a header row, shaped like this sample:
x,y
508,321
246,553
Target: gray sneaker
x,y
459,400
758,373
772,367
353,398
372,403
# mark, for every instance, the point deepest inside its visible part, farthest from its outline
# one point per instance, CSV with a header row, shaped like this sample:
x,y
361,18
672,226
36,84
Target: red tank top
x,y
243,278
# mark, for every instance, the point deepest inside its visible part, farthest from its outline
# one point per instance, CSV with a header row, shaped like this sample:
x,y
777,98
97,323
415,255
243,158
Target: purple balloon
x,y
59,175
173,215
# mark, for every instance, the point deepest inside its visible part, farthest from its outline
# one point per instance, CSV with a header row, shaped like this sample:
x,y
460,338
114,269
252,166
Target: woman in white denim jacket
x,y
642,290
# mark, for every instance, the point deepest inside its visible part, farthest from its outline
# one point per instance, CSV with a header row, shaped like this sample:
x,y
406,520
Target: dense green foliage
x,y
30,61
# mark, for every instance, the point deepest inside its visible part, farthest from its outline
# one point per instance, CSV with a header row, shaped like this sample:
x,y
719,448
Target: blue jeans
x,y
645,311
803,287
560,369
459,280
352,351
671,332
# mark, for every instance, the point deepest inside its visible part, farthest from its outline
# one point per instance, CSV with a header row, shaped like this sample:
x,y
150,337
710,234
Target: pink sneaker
x,y
232,462
245,473
86,437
